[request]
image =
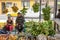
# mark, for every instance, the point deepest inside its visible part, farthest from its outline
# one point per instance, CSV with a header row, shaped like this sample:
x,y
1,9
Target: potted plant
x,y
23,11
5,10
46,12
14,8
36,7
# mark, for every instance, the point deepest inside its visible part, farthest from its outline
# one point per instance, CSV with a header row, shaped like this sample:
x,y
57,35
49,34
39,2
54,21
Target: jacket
x,y
20,20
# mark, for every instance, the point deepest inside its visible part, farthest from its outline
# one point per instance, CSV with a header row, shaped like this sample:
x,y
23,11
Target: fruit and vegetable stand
x,y
15,37
6,36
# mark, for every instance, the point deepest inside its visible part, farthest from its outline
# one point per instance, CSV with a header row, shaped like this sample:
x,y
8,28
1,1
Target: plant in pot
x,y
5,10
14,8
23,11
46,12
36,7
46,15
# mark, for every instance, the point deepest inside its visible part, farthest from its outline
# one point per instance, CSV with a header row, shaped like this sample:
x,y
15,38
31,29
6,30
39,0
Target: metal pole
x,y
40,12
55,7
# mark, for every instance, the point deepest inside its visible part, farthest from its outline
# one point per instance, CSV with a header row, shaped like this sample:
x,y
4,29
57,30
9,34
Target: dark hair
x,y
58,9
19,13
9,17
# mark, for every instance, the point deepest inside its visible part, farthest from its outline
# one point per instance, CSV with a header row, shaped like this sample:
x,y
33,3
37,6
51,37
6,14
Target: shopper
x,y
9,25
58,16
19,22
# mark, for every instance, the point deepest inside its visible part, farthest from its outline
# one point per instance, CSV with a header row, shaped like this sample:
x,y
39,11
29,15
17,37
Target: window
x,y
8,4
26,3
3,5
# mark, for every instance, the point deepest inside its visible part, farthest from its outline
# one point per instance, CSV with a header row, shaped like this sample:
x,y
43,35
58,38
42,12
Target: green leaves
x,y
15,9
23,11
5,10
33,28
46,12
36,28
36,7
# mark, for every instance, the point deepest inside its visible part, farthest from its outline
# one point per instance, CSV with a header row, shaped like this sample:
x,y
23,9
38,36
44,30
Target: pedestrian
x,y
20,22
9,25
58,16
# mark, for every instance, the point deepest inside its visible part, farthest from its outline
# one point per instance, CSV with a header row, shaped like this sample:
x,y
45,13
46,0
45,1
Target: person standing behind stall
x,y
58,16
19,22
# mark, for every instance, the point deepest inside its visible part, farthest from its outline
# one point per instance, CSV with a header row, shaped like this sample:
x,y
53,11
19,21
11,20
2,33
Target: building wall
x,y
18,2
10,9
0,7
32,2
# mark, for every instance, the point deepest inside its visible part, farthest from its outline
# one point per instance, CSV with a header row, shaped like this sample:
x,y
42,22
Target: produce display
x,y
37,28
9,37
23,11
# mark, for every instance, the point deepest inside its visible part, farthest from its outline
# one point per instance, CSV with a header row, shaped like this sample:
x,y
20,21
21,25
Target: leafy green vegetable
x,y
36,28
23,11
14,8
36,7
46,12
